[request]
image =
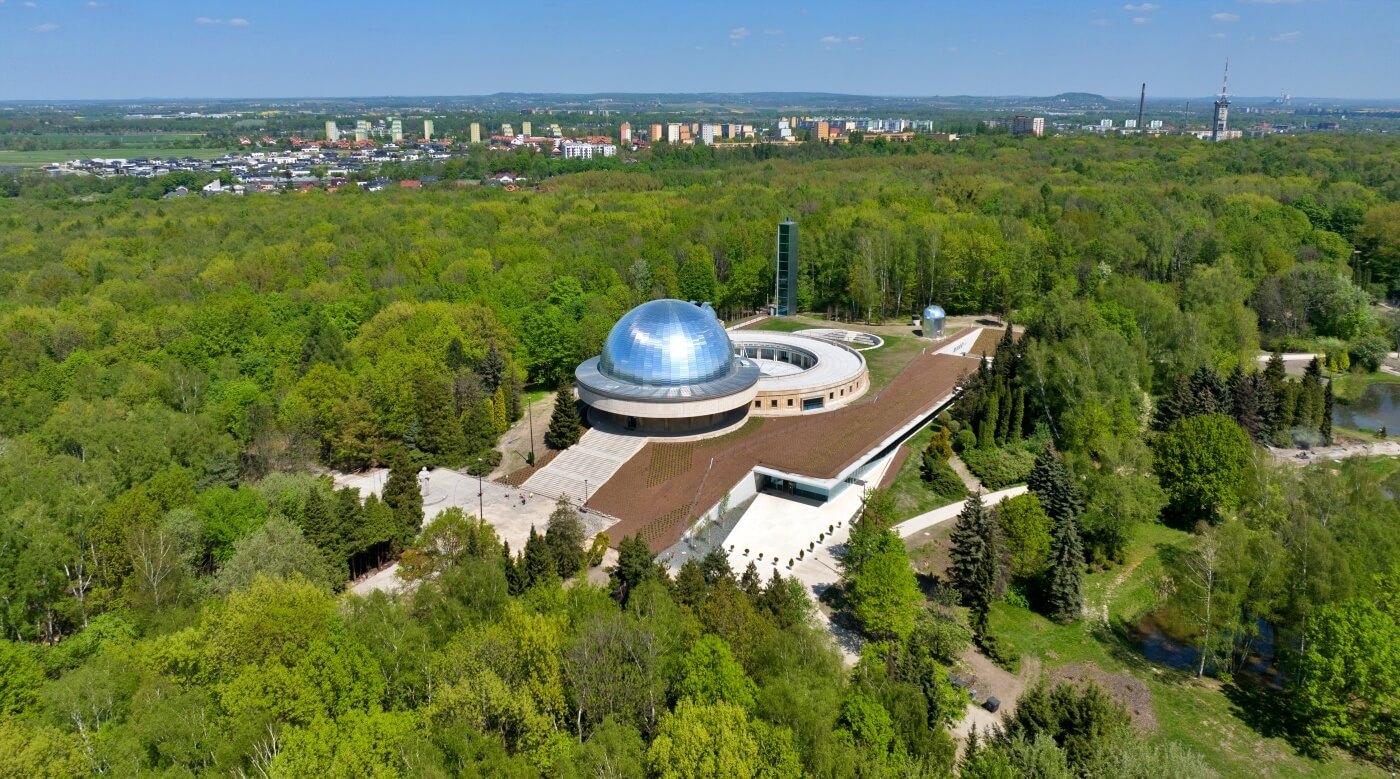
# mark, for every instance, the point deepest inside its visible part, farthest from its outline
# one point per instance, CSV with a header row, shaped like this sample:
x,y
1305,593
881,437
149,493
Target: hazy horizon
x,y
222,49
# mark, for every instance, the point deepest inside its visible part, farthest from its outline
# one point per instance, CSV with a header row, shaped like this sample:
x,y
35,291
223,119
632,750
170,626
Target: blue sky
x,y
63,49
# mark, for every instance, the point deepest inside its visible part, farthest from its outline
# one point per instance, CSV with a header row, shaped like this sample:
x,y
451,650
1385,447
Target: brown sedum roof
x,y
658,491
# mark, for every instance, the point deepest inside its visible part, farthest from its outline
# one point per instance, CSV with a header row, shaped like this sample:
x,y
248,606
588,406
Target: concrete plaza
x,y
499,503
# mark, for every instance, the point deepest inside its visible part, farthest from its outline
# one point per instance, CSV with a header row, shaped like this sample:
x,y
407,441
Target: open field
x,y
134,139
44,157
1204,715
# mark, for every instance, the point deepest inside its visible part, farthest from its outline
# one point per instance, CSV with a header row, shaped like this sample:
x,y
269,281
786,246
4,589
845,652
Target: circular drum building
x,y
668,367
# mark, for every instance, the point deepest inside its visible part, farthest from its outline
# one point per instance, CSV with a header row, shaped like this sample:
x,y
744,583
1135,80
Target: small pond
x,y
1378,405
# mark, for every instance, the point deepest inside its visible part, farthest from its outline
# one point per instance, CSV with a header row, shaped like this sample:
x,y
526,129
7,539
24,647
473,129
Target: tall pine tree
x,y
1051,482
1325,429
439,433
401,494
1176,404
564,425
976,570
1063,595
1208,393
564,535
1244,402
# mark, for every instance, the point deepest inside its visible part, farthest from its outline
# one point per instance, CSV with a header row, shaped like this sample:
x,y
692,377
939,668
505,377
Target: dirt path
x,y
515,442
1302,457
986,679
960,468
1100,611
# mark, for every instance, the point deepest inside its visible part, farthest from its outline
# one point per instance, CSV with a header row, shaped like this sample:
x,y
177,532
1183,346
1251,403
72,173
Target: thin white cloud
x,y
1225,17
1141,20
1099,22
46,27
1286,37
854,39
235,22
1271,2
738,34
830,40
773,33
1141,8
95,4
30,4
1216,35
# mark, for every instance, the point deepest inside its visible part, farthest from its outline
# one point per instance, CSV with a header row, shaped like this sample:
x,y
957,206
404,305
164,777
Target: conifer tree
x,y
564,426
976,559
1208,393
478,425
1325,429
751,582
456,357
1064,595
1176,404
438,431
564,535
715,566
376,526
515,570
1051,482
401,494
987,430
1018,416
349,516
635,564
493,368
318,523
1244,402
539,562
690,588
500,410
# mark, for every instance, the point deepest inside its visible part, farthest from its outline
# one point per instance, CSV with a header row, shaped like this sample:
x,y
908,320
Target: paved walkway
x,y
780,528
938,516
581,469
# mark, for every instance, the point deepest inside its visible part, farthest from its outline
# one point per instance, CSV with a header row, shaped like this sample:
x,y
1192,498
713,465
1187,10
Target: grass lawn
x,y
887,361
775,324
10,157
1200,714
911,497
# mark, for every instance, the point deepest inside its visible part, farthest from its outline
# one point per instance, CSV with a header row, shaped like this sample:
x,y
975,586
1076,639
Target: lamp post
x,y
480,501
583,507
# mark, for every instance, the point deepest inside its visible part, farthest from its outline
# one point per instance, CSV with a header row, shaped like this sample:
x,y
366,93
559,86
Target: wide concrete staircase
x,y
582,468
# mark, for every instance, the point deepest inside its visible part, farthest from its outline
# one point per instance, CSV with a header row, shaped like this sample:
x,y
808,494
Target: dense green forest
x,y
172,373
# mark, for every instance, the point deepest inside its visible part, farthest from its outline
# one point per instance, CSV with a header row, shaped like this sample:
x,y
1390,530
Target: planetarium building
x,y
670,368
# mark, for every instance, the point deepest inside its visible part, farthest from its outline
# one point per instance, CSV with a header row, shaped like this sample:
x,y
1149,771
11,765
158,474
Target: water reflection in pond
x,y
1378,405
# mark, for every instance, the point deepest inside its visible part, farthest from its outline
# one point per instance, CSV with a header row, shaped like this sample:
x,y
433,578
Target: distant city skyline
x,y
123,49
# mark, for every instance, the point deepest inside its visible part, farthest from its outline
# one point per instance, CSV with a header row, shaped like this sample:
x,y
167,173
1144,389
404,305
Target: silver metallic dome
x,y
667,343
934,313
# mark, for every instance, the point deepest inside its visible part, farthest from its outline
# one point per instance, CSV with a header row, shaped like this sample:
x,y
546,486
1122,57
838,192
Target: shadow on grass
x,y
1266,709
